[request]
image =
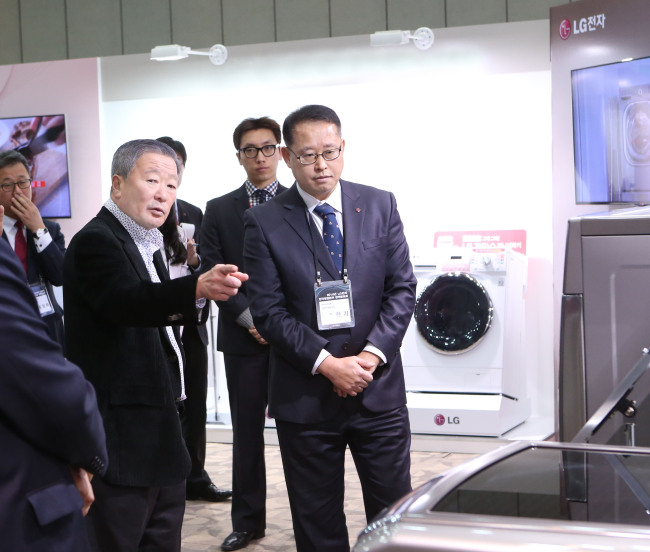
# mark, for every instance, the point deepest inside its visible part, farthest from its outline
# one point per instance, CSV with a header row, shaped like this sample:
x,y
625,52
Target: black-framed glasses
x,y
311,158
252,152
10,186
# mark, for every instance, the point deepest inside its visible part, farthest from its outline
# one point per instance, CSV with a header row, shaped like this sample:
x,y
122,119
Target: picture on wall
x,y
42,141
611,131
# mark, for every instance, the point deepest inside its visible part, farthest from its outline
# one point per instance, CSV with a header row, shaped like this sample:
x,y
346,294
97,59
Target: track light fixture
x,y
218,54
422,38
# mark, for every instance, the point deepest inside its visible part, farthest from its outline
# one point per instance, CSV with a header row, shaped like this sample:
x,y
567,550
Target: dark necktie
x,y
332,234
21,245
262,195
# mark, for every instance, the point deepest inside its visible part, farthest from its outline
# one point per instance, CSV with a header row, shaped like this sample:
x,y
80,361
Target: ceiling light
x,y
422,38
218,54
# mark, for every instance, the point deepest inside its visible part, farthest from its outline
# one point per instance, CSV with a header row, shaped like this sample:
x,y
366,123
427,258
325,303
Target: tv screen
x,y
42,141
611,132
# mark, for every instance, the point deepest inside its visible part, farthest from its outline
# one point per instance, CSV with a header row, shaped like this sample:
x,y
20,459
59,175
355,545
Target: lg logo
x,y
584,25
440,420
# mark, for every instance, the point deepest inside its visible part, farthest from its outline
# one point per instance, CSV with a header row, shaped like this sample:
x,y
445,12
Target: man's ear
x,y
116,186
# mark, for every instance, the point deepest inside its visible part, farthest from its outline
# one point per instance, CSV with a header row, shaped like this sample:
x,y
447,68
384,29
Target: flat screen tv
x,y
42,140
611,132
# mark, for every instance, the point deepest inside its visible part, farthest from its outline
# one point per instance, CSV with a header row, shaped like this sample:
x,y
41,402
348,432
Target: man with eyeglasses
x,y
246,353
332,290
39,244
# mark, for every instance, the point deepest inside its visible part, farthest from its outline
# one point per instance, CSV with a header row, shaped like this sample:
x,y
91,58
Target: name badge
x,y
334,305
42,299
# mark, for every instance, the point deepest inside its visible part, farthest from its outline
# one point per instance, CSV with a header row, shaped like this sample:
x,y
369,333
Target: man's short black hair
x,y
177,146
308,113
256,124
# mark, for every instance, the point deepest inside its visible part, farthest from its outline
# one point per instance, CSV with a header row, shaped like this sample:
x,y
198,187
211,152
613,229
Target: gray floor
x,y
207,524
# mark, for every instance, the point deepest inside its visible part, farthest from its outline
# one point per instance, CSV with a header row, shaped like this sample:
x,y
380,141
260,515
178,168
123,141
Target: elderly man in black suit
x,y
195,339
122,317
39,244
246,354
332,290
51,432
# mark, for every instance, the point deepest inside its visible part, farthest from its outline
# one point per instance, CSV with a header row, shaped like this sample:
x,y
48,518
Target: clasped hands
x,y
220,283
349,375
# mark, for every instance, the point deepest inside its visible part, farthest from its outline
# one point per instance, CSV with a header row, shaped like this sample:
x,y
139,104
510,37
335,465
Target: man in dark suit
x,y
246,354
121,313
39,243
195,340
51,433
332,293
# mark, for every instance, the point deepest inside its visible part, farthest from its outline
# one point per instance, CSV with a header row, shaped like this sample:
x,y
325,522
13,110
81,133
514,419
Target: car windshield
x,y
559,484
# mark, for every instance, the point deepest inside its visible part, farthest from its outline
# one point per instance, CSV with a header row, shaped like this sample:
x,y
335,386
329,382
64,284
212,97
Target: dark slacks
x,y
313,456
193,416
136,519
247,377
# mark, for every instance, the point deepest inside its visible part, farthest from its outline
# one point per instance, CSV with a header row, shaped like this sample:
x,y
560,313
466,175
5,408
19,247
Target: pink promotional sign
x,y
483,240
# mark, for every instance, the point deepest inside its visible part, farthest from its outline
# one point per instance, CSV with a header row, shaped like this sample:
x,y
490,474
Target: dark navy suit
x,y
246,362
49,421
314,423
47,266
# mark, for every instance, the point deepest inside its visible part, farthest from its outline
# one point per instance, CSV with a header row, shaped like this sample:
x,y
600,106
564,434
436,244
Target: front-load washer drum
x,y
453,313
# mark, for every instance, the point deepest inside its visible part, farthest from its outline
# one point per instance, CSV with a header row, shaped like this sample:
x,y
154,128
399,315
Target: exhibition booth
x,y
474,136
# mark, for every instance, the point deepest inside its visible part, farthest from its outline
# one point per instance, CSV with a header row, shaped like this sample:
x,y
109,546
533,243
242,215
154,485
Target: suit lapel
x,y
130,249
296,217
240,203
353,216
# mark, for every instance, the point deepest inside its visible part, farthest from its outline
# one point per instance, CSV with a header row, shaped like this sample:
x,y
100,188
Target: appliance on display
x,y
611,130
42,141
604,316
463,352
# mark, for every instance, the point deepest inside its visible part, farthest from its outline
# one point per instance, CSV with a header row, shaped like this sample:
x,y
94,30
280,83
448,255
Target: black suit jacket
x,y
279,254
192,214
223,242
48,422
48,267
114,331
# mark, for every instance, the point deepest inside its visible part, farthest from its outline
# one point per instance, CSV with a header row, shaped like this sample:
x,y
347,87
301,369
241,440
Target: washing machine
x,y
464,352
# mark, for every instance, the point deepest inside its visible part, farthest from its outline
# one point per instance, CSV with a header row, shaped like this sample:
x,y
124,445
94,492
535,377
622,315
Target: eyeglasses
x,y
9,186
251,152
311,158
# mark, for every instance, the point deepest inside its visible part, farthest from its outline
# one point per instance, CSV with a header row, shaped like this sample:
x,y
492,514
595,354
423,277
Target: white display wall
x,y
461,133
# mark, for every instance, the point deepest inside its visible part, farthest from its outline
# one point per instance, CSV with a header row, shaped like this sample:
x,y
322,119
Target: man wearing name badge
x,y
246,353
39,244
122,318
332,290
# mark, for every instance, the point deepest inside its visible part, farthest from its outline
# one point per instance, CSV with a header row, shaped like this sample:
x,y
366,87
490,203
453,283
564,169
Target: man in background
x,y
51,433
39,244
195,340
122,318
332,290
246,353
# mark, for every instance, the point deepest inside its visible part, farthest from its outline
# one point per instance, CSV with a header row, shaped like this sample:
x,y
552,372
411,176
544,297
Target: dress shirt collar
x,y
334,200
271,189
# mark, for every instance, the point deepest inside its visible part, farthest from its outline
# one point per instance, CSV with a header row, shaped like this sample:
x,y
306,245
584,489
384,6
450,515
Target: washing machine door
x,y
453,313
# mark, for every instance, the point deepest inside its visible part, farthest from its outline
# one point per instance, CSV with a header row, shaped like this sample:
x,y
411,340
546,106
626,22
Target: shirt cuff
x,y
321,357
42,242
372,349
245,319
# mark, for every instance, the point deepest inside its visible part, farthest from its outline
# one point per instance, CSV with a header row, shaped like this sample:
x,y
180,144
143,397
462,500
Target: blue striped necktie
x,y
332,234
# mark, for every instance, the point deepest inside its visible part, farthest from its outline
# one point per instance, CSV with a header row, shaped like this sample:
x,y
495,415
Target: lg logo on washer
x,y
440,419
583,25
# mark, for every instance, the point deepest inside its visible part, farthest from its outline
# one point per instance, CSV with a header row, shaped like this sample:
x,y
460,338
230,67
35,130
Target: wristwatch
x,y
40,233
